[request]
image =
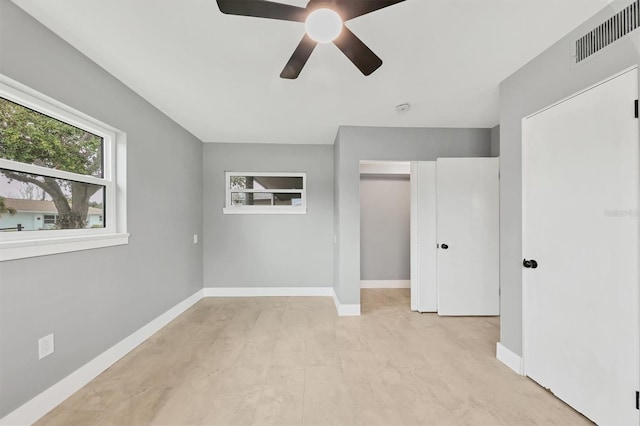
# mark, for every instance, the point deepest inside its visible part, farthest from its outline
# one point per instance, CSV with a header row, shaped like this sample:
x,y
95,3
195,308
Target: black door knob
x,y
444,246
532,264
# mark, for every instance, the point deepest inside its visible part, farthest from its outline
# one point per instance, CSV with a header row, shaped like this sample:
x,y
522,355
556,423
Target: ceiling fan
x,y
324,23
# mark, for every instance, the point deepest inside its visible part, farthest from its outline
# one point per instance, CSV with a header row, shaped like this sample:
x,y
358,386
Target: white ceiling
x,y
218,75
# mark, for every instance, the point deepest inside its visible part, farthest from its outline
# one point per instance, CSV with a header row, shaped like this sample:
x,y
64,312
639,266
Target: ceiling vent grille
x,y
611,30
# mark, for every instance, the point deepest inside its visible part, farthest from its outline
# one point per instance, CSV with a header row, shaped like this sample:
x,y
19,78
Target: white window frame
x,y
18,245
231,209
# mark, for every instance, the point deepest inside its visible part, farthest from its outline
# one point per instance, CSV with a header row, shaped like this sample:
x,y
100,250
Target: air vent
x,y
611,30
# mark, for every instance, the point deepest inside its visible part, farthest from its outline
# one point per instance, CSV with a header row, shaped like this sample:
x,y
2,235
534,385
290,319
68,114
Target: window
x,y
61,174
265,193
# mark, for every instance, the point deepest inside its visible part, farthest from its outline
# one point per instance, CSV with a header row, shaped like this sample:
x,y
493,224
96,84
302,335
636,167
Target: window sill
x,y
12,250
251,210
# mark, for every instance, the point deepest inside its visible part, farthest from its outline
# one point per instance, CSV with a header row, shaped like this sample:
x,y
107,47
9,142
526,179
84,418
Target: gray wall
x,y
547,79
385,213
269,250
495,141
384,143
93,299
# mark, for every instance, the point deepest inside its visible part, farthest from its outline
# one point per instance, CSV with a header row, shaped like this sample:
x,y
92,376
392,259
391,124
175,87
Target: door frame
x,y
409,168
420,245
525,318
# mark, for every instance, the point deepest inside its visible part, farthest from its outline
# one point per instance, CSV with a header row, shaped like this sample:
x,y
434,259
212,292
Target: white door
x,y
580,225
424,286
468,236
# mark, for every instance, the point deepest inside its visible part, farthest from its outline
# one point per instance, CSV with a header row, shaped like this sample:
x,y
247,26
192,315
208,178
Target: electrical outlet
x,y
45,346
195,238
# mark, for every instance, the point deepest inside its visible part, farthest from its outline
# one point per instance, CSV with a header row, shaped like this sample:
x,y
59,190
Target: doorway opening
x,y
385,232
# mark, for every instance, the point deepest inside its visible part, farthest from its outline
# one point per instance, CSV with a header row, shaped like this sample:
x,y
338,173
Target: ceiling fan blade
x,y
358,52
263,9
299,58
350,9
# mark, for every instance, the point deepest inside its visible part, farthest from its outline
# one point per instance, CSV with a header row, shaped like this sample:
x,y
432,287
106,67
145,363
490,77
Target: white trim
x,y
385,284
268,291
118,198
229,208
385,167
413,237
32,99
342,310
267,191
263,210
510,359
345,310
55,173
40,405
424,280
17,245
10,239
267,174
11,250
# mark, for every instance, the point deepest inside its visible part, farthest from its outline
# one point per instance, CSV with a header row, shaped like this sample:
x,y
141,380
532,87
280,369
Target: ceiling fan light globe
x,y
323,25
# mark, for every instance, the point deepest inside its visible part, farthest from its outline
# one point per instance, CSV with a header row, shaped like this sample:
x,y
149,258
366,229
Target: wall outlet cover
x,y
45,346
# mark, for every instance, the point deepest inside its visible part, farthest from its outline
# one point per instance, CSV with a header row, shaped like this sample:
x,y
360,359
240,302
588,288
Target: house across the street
x,y
33,215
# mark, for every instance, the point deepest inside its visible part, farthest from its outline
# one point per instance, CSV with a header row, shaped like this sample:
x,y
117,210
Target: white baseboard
x,y
509,359
345,310
267,291
385,284
32,410
349,310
